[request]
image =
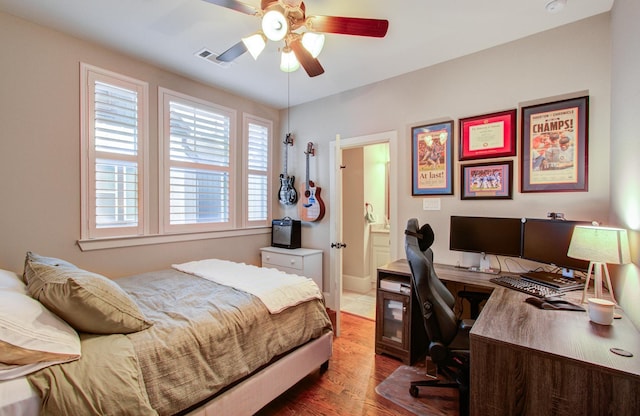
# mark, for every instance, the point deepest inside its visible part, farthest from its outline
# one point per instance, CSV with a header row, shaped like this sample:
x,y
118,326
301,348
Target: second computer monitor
x,y
489,235
547,241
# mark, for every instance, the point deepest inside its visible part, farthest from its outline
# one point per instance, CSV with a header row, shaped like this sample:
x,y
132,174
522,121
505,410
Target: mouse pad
x,y
552,304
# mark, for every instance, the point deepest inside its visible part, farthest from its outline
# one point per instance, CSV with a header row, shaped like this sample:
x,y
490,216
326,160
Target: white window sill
x,y
119,242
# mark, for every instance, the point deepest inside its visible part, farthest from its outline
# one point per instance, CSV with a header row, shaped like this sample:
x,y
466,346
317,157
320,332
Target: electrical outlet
x,y
431,204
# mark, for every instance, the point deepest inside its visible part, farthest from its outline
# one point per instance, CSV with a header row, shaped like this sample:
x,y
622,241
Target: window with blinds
x,y
114,138
198,145
257,156
204,184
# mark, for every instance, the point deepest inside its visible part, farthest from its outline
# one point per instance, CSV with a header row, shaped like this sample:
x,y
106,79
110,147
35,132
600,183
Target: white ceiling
x,y
168,33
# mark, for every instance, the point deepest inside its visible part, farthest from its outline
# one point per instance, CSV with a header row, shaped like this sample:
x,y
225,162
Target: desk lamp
x,y
599,245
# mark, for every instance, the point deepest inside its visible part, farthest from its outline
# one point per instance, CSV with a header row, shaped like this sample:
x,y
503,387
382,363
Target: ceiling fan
x,y
303,35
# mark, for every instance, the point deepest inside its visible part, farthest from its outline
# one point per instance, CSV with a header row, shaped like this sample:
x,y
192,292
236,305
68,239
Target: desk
x,y
528,361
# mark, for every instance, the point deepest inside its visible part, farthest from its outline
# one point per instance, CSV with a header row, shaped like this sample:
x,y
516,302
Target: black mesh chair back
x,y
448,337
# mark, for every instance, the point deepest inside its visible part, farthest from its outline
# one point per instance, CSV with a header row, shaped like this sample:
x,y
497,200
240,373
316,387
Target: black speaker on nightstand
x,y
285,233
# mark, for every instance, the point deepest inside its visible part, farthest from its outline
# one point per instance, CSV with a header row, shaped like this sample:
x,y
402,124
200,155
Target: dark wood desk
x,y
528,361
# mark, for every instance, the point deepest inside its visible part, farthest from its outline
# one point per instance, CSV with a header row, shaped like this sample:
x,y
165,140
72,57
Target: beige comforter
x,y
205,336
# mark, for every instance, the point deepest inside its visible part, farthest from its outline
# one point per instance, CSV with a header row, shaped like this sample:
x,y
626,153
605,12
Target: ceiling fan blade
x,y
308,62
357,26
232,53
235,5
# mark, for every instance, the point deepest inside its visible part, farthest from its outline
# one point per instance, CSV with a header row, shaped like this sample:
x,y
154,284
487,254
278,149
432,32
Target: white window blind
x,y
114,137
258,138
198,164
116,148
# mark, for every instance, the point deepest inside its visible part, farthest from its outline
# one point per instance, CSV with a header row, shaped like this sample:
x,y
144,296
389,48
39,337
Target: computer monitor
x,y
547,241
489,235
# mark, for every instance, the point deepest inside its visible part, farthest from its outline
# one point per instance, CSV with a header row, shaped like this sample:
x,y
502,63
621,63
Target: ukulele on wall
x,y
312,207
287,193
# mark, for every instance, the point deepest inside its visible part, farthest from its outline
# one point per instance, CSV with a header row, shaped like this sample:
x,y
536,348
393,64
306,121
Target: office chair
x,y
448,337
474,298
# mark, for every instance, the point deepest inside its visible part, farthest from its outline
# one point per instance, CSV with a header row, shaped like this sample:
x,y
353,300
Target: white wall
x,y
625,145
571,59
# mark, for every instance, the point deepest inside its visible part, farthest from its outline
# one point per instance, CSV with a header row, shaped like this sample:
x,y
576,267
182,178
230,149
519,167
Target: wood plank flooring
x,y
348,387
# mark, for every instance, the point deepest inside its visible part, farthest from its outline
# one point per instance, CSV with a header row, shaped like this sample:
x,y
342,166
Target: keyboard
x,y
531,288
554,280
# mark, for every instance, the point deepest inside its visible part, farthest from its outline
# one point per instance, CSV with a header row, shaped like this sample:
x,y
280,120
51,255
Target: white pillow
x,y
10,281
32,337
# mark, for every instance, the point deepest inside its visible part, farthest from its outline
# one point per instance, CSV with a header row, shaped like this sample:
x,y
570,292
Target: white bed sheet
x,y
18,398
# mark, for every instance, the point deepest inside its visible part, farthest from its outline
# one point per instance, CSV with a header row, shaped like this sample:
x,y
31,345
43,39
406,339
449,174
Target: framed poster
x,y
432,159
488,136
554,153
487,180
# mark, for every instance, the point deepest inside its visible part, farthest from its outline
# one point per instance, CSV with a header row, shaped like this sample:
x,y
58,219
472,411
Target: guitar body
x,y
287,193
312,207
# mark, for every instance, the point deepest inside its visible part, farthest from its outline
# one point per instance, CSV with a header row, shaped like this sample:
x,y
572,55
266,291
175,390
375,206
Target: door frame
x,y
335,217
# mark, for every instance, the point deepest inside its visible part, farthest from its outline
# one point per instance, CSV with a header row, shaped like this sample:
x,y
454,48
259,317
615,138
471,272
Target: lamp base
x,y
597,268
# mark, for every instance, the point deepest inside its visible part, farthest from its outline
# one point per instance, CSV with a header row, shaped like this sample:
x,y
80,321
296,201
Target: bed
x,y
196,347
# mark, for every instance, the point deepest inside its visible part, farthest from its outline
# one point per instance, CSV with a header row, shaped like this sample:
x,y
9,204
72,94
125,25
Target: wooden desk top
x,y
508,319
446,273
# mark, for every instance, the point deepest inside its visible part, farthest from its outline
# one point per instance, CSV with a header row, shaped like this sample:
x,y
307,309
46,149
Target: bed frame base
x,y
251,395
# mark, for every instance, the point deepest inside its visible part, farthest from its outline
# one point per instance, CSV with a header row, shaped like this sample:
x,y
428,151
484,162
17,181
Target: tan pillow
x,y
89,302
41,259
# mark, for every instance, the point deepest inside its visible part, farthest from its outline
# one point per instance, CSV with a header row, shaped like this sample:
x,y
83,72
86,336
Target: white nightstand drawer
x,y
301,261
282,260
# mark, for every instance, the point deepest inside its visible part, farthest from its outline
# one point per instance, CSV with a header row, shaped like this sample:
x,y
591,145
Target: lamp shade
x,y
255,44
288,61
313,42
274,25
600,245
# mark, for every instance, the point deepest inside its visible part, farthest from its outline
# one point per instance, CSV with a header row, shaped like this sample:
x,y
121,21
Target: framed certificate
x,y
488,136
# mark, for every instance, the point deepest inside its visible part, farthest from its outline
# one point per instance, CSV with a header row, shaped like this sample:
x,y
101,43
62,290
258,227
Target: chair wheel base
x,y
413,391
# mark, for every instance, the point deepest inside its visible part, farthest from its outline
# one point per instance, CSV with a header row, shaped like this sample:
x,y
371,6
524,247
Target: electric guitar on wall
x,y
287,193
312,207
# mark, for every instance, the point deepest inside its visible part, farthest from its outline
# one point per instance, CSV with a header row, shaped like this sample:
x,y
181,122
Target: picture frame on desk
x,y
432,159
487,180
488,136
555,144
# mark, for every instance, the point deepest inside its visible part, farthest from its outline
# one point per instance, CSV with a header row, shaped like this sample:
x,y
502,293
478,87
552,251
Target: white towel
x,y
276,289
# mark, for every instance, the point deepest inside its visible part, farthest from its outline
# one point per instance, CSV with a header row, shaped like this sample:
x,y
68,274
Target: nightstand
x,y
301,261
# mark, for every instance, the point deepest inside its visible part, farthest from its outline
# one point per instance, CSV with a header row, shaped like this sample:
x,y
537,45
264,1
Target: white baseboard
x,y
356,283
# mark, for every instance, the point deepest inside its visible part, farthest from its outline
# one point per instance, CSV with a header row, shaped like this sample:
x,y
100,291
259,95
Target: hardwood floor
x,y
348,387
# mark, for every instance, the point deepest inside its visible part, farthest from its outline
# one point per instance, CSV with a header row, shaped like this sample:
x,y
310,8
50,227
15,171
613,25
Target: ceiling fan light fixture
x,y
275,25
313,42
288,61
255,44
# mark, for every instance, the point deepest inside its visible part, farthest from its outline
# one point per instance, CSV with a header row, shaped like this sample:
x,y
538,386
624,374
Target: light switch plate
x,y
431,204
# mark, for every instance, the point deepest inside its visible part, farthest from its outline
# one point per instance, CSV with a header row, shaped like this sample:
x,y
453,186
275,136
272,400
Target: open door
x,y
335,194
335,233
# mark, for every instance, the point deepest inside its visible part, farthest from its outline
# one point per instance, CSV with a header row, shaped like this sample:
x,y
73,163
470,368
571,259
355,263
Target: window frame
x,y
248,119
150,228
89,74
165,96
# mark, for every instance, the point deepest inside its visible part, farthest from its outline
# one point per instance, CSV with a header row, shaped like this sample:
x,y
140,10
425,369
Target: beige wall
x,y
625,144
40,152
39,140
571,59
